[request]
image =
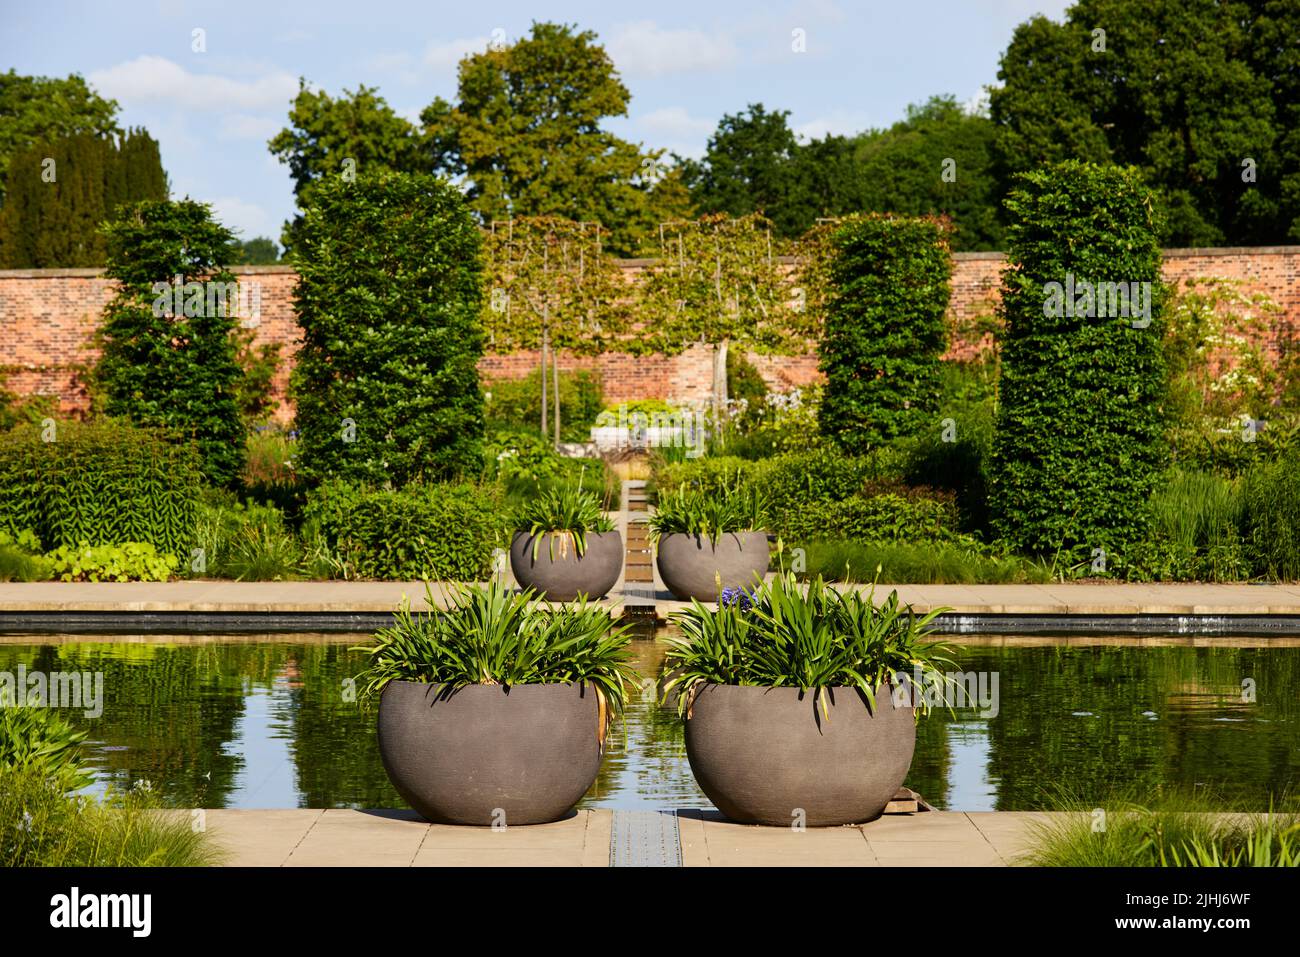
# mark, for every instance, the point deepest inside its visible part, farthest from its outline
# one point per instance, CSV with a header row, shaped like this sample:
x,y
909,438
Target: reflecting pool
x,y
273,723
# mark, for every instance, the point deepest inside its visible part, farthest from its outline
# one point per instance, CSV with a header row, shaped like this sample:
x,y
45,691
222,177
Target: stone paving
x,y
387,838
1164,598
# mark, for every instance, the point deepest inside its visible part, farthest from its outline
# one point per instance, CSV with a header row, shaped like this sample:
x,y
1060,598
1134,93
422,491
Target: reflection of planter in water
x,y
692,566
481,755
763,754
558,572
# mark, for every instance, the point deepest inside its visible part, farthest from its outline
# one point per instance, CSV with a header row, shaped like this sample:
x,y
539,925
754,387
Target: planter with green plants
x,y
706,542
565,546
800,704
494,712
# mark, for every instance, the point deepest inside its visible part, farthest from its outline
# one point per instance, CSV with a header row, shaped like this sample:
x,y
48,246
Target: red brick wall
x,y
47,319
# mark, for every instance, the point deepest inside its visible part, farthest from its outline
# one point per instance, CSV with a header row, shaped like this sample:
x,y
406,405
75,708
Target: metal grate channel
x,y
645,839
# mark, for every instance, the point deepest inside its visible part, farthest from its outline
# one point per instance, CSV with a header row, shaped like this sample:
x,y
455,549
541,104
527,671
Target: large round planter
x,y
694,567
558,573
769,756
484,756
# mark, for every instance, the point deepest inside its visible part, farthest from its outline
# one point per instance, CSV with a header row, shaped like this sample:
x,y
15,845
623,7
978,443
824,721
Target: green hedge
x,y
1080,432
388,296
788,482
100,484
885,328
876,518
444,531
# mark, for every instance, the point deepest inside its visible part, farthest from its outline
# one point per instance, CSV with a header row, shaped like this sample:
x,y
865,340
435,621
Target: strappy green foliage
x,y
563,513
493,636
39,741
708,514
811,638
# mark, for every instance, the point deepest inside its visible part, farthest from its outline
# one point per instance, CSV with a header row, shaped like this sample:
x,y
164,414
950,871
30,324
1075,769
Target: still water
x,y
269,724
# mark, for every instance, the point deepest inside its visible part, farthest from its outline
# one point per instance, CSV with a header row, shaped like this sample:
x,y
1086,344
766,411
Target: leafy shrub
x,y
45,827
932,563
708,514
1079,440
1271,518
515,455
128,562
446,531
163,370
490,635
38,740
517,403
884,330
812,638
20,558
388,299
877,518
714,474
953,453
102,484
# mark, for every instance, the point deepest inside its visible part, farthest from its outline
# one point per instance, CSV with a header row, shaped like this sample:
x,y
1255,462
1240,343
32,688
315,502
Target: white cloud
x,y
674,122
159,80
644,48
247,219
447,56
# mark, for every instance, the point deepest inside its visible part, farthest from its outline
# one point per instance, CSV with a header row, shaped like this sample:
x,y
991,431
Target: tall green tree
x,y
59,192
525,132
346,135
747,168
936,161
167,344
388,298
1203,96
36,108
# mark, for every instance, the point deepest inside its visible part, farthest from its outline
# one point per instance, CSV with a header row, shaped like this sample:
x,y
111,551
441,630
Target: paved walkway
x,y
338,596
322,838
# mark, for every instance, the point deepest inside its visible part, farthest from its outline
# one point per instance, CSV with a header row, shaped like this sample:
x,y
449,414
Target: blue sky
x,y
686,64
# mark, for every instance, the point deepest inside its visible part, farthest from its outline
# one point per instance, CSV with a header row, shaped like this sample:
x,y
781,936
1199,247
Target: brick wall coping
x,y
284,268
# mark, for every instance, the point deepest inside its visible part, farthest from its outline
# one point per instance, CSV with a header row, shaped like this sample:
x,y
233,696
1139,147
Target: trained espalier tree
x,y
717,282
167,367
550,285
1080,431
388,298
879,284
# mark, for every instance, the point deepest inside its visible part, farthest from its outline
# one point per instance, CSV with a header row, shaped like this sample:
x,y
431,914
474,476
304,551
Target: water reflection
x,y
273,724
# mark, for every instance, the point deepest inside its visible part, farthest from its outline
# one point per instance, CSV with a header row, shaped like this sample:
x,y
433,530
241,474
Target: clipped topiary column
x,y
884,328
388,298
1079,438
167,348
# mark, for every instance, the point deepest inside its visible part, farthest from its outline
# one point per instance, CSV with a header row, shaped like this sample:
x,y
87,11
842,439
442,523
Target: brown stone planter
x,y
484,756
559,573
694,567
763,755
